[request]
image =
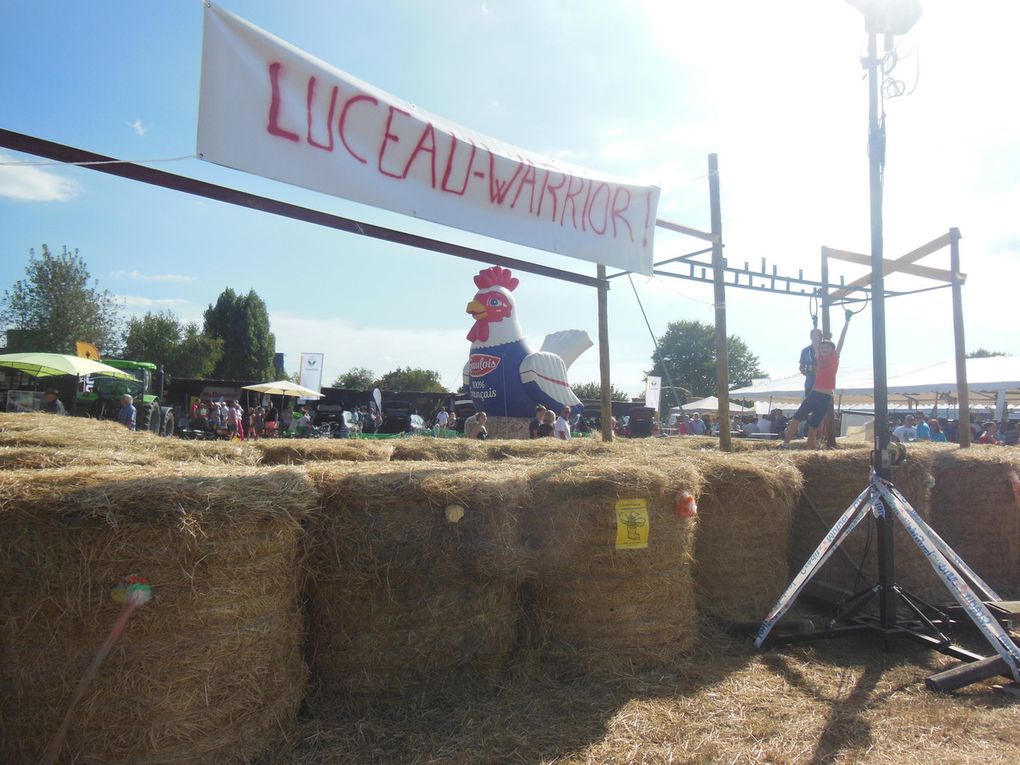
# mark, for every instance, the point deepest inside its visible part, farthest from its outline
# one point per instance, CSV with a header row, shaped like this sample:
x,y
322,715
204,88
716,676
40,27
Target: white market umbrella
x,y
283,388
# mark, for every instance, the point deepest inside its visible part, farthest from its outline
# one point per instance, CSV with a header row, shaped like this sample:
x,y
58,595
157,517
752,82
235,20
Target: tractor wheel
x,y
149,419
167,427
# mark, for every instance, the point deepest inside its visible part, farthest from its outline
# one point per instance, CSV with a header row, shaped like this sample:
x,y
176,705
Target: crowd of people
x,y
920,428
227,419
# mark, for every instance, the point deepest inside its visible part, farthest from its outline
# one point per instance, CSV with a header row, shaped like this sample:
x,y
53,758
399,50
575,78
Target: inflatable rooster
x,y
504,376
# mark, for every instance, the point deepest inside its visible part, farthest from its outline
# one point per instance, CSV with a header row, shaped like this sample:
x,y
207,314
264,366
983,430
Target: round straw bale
x,y
291,451
210,670
412,574
608,608
977,511
745,512
832,481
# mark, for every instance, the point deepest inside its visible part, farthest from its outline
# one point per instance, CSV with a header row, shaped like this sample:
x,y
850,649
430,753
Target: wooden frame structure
x,y
907,264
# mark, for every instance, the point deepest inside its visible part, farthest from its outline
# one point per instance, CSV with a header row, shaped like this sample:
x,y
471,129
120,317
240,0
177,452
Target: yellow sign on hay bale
x,y
605,608
632,524
212,671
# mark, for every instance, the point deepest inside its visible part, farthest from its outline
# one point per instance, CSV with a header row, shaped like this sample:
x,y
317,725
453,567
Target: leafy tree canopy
x,y
593,391
687,350
242,323
410,379
355,378
56,304
981,353
181,349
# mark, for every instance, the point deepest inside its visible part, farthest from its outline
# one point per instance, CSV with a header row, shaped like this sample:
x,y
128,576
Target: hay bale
x,y
47,430
48,457
541,448
977,511
832,480
745,511
420,449
210,670
401,595
607,608
507,427
78,438
298,451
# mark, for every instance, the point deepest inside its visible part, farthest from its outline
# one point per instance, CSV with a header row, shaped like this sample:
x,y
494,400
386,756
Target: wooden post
x,y
722,362
607,402
962,392
829,423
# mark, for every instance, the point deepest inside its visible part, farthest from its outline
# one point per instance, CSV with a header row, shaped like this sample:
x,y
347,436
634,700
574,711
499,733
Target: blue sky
x,y
643,90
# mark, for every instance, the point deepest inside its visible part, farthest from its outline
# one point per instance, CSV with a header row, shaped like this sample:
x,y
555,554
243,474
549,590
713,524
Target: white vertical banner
x,y
311,371
271,109
653,387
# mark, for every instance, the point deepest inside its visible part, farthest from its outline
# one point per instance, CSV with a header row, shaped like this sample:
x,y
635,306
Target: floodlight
x,y
894,17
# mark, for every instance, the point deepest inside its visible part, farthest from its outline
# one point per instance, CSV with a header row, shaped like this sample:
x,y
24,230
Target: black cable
x,y
655,343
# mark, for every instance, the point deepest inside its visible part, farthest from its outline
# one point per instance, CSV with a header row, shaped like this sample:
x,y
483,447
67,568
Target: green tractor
x,y
103,400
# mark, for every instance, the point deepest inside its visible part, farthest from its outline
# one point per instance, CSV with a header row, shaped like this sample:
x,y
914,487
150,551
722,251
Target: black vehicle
x,y
463,408
333,418
398,418
640,423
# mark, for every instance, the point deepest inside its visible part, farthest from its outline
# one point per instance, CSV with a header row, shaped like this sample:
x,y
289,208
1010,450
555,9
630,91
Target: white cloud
x,y
34,184
138,276
621,149
133,301
139,128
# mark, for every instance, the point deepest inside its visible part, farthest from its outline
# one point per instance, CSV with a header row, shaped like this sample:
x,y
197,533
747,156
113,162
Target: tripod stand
x,y
927,622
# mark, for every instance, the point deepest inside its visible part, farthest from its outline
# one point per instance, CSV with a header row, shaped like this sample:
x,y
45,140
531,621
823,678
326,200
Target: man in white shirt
x,y
906,431
562,427
442,419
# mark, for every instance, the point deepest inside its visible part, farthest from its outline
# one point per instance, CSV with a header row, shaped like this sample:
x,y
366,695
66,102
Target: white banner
x,y
311,371
653,388
271,109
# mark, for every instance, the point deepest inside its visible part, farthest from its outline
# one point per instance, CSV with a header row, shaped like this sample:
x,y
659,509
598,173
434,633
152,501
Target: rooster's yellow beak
x,y
476,309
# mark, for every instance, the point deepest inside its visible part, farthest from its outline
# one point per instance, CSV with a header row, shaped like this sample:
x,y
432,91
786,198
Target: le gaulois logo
x,y
480,364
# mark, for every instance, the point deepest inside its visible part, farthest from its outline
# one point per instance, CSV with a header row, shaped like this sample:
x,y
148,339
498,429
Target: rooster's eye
x,y
493,302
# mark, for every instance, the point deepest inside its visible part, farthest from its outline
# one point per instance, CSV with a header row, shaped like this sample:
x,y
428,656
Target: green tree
x,y
242,323
687,349
592,391
181,349
981,353
56,304
355,378
411,379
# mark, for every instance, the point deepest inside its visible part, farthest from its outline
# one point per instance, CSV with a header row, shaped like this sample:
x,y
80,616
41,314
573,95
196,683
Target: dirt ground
x,y
848,700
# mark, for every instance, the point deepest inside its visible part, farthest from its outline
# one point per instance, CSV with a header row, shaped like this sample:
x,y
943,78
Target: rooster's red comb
x,y
496,277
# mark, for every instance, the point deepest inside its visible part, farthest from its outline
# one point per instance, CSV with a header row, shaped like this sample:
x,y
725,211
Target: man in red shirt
x,y
819,400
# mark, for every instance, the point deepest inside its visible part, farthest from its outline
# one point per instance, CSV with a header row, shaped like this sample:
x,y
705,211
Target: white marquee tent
x,y
992,382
